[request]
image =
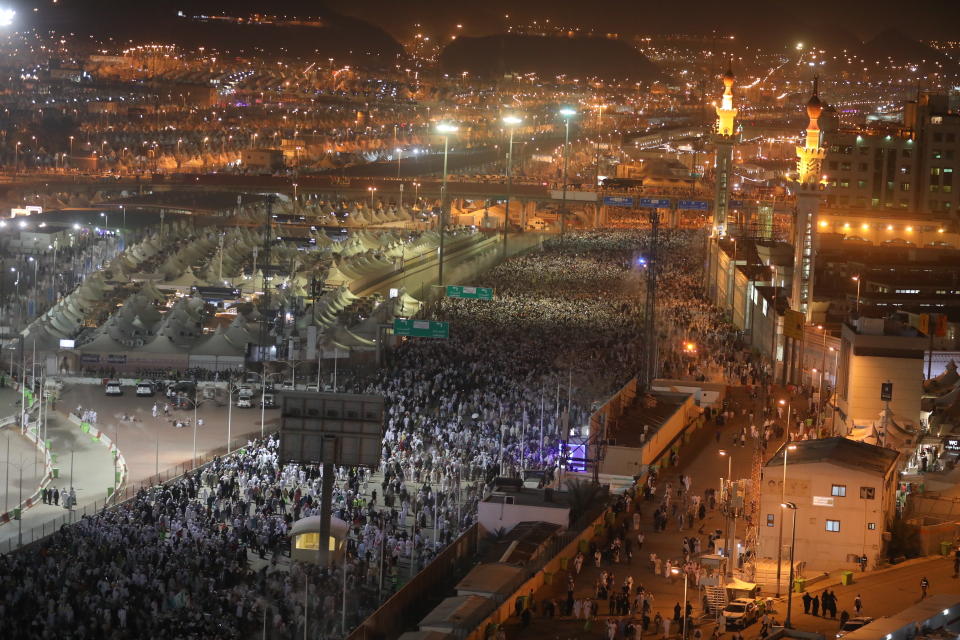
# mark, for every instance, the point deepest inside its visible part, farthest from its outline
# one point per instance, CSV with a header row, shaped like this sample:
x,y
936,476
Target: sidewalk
x,y
92,475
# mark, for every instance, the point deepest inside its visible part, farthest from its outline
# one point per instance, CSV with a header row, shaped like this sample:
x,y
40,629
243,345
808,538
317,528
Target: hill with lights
x,y
546,56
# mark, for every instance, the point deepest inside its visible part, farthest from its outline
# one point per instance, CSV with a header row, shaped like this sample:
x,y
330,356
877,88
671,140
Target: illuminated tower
x,y
723,140
809,160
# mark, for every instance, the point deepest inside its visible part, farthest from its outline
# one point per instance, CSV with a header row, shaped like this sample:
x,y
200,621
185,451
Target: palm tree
x,y
582,495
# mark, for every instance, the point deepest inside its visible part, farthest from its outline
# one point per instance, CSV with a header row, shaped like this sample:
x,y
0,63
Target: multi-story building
x,y
844,492
908,165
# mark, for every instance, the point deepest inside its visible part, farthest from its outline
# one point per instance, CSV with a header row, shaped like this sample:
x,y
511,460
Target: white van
x,y
113,388
144,389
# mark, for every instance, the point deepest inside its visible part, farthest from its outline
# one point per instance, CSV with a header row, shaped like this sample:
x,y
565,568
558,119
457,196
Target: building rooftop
x,y
457,613
840,451
524,543
630,431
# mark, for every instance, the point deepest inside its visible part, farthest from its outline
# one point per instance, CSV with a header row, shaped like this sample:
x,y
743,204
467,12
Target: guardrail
x,y
33,436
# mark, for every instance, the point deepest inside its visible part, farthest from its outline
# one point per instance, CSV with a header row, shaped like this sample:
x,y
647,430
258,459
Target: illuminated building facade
x,y
909,166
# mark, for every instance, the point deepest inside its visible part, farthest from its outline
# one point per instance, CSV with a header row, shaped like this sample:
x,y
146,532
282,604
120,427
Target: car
x,y
113,388
853,624
288,385
144,388
740,613
313,387
269,401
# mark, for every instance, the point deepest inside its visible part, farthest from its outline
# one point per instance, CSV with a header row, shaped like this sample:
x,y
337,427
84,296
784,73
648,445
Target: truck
x,y
244,398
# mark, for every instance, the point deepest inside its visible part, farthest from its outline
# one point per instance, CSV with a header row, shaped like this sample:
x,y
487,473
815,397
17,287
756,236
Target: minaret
x,y
723,140
809,160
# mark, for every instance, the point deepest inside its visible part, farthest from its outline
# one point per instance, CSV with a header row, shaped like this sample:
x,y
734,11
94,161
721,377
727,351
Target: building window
x,y
872,526
833,525
862,167
934,171
905,170
904,186
833,165
867,493
845,184
936,154
864,151
951,137
938,137
861,184
839,490
769,519
845,166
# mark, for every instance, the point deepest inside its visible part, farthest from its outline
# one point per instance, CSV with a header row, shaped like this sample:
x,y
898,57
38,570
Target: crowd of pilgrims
x,y
204,555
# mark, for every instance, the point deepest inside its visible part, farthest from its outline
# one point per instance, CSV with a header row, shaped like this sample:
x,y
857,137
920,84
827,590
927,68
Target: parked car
x,y
113,388
144,388
740,613
853,624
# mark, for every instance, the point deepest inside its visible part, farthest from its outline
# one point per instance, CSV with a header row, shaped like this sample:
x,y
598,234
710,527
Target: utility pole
x,y
649,310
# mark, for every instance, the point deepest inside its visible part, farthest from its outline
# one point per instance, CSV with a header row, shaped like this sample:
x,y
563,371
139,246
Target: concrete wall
x,y
632,461
819,549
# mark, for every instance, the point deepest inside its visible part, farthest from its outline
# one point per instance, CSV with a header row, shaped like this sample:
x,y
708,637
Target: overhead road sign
x,y
655,203
693,205
618,201
469,293
421,328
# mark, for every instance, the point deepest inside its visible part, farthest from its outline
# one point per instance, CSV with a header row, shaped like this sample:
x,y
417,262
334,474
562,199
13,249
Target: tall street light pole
x,y
856,279
783,498
567,113
445,129
676,571
511,122
793,543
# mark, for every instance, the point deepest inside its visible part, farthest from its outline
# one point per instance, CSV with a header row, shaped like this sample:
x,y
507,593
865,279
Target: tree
x,y
904,540
582,495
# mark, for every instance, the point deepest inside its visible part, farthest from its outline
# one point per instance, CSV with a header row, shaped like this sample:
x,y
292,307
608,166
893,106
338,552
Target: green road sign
x,y
421,328
470,293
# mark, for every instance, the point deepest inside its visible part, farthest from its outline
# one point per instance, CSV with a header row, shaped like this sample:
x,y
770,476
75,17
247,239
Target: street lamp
x,y
399,156
836,380
793,543
676,571
372,190
783,497
71,146
193,401
106,220
789,407
856,279
567,113
511,122
445,129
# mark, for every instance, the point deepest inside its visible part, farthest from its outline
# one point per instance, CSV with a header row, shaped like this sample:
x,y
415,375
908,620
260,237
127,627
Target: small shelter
x,y
305,543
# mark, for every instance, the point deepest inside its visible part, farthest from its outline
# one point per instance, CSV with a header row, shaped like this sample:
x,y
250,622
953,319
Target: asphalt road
x,y
153,444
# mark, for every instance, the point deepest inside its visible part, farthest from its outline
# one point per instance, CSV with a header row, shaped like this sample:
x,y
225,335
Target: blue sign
x,y
618,201
655,203
736,204
693,205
